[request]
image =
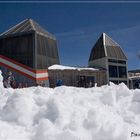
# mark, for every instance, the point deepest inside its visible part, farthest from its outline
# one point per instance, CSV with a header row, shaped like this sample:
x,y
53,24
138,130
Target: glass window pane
x,y
113,71
122,72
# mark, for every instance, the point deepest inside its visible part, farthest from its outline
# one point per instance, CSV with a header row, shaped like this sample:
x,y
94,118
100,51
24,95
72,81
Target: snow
x,y
69,113
61,67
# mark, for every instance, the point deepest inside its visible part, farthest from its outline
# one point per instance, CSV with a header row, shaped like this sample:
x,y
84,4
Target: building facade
x,y
76,76
108,54
27,50
134,79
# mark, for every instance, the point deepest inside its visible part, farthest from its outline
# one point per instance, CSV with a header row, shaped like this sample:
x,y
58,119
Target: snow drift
x,y
69,113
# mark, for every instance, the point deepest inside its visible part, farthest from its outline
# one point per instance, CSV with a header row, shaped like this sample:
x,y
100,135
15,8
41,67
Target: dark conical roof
x,y
26,26
106,47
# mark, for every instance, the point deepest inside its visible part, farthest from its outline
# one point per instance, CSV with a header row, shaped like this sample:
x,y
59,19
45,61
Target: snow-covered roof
x,y
61,67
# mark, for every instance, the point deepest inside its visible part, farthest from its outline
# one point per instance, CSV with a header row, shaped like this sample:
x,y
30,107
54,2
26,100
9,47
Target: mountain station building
x,y
30,53
107,63
27,50
108,54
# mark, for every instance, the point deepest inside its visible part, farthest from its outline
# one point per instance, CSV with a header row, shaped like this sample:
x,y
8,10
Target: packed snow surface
x,y
61,67
69,113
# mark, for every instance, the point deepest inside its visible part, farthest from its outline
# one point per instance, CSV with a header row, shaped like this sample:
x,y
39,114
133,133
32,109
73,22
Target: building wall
x,y
121,76
71,77
98,63
46,52
18,48
21,79
134,79
18,77
104,63
101,63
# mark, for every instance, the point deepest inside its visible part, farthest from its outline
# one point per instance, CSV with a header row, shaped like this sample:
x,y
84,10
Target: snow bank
x,y
69,113
61,67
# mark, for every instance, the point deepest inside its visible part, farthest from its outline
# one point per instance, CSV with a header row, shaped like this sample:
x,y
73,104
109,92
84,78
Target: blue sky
x,y
77,26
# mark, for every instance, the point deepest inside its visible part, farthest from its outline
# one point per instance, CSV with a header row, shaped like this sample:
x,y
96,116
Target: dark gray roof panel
x,y
19,28
26,26
109,41
115,52
106,47
98,50
42,31
113,49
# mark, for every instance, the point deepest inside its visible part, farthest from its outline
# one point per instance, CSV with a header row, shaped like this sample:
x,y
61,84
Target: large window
x,y
18,48
113,72
117,71
122,72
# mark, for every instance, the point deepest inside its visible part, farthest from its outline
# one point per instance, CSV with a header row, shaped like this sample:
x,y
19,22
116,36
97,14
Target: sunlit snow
x,y
69,113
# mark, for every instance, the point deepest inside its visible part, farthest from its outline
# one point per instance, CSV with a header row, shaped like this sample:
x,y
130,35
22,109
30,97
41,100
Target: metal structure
x,y
28,50
108,54
134,79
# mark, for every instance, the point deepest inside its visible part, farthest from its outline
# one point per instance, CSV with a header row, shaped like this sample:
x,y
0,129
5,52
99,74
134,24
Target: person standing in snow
x,y
6,83
90,84
59,82
82,82
10,78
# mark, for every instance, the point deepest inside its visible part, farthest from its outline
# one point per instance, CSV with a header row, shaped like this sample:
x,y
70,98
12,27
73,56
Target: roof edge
x,y
13,27
112,39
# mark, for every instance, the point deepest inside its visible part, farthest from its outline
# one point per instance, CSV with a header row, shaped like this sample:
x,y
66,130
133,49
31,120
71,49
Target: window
x,y
122,72
112,61
117,71
113,71
121,62
117,61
